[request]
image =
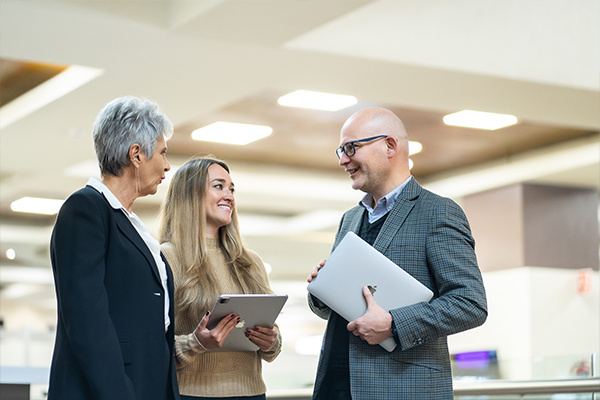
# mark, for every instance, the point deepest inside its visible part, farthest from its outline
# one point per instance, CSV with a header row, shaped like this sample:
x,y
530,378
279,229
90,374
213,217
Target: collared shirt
x,y
151,242
384,205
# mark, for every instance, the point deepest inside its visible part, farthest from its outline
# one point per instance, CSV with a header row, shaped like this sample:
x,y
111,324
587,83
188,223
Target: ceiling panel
x,y
231,59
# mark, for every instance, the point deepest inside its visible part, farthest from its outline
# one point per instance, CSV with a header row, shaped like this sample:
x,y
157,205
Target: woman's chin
x,y
148,191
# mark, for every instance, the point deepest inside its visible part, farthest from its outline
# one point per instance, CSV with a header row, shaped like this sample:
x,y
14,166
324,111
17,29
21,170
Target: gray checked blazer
x,y
430,238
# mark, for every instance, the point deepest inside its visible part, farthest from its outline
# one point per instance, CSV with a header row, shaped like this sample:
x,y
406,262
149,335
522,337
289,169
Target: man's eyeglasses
x,y
349,148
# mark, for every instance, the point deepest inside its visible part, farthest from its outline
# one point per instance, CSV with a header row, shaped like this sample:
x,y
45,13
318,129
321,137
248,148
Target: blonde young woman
x,y
201,241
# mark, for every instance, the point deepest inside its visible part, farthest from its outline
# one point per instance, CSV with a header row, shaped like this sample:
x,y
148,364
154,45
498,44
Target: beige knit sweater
x,y
201,372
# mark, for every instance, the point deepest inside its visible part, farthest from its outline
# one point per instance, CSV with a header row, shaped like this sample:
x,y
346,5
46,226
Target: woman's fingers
x,y
262,336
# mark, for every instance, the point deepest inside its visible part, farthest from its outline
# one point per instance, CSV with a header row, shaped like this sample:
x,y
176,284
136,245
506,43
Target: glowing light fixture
x,y
309,345
36,205
231,133
317,100
268,268
414,148
53,89
11,254
480,120
411,164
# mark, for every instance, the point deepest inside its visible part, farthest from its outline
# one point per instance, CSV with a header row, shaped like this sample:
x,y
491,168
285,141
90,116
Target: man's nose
x,y
344,159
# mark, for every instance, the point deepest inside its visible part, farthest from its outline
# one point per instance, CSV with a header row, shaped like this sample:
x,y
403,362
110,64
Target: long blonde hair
x,y
183,223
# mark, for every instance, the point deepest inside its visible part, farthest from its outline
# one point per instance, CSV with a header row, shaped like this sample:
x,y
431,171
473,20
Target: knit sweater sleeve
x,y
272,353
187,346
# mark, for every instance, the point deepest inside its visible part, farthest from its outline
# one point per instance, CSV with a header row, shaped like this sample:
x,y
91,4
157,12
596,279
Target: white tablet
x,y
253,309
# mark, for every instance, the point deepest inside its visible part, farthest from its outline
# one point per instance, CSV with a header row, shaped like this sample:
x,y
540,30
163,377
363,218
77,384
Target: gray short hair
x,y
122,123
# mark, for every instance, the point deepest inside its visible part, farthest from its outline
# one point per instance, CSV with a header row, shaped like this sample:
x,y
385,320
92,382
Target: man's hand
x,y
376,325
315,271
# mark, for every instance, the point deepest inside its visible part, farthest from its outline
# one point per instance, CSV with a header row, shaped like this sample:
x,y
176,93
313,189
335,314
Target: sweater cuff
x,y
186,348
271,353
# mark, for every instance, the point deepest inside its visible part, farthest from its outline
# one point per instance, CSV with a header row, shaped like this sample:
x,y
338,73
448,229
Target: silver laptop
x,y
355,264
253,309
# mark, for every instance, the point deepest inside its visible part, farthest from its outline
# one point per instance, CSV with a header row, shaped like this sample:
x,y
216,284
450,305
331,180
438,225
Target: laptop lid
x,y
355,264
253,309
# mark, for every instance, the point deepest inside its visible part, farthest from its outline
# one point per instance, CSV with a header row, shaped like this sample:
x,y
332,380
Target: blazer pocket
x,y
421,356
126,351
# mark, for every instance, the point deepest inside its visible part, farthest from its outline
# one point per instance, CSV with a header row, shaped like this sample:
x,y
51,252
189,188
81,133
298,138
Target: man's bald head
x,y
379,120
381,163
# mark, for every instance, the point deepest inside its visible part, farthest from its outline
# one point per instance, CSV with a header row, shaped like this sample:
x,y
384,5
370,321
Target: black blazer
x,y
110,339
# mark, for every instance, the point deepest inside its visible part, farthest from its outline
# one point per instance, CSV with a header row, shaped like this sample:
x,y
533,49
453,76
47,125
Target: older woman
x,y
115,333
203,245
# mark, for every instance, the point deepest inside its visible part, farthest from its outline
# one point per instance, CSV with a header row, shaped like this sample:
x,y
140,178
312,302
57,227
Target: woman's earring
x,y
138,187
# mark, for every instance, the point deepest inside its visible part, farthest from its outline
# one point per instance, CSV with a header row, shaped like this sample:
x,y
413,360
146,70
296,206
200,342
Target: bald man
x,y
426,235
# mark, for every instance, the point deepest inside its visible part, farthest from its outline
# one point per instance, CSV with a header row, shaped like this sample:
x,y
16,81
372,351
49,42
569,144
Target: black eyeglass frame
x,y
343,149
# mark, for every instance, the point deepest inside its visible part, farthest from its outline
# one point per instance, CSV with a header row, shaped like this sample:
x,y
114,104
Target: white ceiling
x,y
537,59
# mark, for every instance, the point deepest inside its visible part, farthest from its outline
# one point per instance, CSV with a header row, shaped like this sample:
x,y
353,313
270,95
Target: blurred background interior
x,y
530,189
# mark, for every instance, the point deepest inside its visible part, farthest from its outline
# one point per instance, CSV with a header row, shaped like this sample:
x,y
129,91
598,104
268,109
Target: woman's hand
x,y
214,338
262,336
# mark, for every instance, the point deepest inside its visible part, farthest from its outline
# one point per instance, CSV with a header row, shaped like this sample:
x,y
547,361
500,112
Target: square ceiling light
x,y
480,120
36,205
317,100
231,133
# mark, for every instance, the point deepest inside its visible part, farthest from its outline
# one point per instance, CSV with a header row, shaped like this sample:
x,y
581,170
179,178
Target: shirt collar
x,y
110,197
386,201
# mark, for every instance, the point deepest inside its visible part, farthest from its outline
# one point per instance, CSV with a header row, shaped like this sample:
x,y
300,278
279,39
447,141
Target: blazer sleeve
x,y
459,301
79,246
319,308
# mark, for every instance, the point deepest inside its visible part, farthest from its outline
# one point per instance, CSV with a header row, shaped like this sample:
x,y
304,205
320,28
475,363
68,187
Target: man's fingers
x,y
351,326
368,296
315,271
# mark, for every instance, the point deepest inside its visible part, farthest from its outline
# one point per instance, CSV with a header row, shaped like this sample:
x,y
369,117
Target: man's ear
x,y
392,146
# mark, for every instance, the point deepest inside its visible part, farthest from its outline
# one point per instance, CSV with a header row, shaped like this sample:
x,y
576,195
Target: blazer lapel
x,y
129,231
351,223
403,206
355,221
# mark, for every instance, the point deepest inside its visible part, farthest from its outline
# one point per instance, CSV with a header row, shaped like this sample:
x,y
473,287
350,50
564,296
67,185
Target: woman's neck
x,y
211,233
123,188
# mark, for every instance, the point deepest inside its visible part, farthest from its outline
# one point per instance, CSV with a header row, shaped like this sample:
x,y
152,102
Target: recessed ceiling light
x,y
480,120
11,254
308,345
36,205
414,148
317,100
231,133
21,275
268,268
